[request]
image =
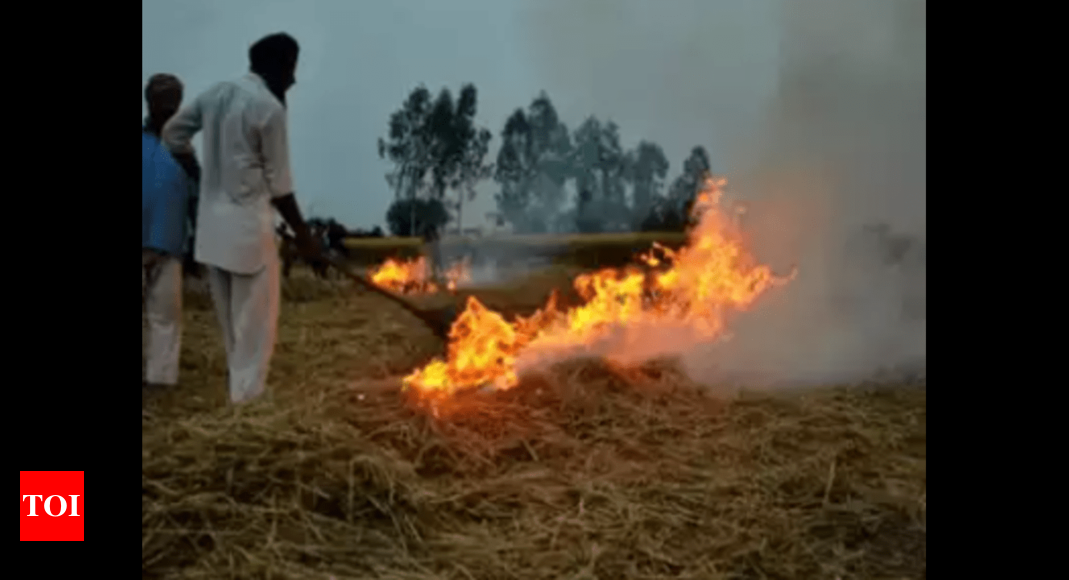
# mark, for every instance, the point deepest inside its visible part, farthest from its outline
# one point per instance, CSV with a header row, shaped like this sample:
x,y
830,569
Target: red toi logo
x,y
53,506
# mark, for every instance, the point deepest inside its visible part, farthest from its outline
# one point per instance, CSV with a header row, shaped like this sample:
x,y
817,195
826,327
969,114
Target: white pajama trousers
x,y
247,307
161,289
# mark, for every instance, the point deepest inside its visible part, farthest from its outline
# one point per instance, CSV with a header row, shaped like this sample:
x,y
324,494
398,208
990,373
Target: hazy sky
x,y
679,72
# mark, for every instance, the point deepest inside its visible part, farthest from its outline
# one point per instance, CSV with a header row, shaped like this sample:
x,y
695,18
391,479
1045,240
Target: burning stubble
x,y
840,145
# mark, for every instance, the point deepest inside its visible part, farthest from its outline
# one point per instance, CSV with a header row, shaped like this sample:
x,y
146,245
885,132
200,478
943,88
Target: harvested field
x,y
583,472
582,250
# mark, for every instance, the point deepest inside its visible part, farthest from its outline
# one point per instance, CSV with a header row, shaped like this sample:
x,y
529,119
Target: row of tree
x,y
436,148
439,154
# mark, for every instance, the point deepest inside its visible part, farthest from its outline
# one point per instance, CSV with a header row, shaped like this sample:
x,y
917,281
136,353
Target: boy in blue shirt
x,y
165,198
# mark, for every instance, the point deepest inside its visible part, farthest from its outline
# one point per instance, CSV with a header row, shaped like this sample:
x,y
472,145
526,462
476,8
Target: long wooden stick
x,y
437,326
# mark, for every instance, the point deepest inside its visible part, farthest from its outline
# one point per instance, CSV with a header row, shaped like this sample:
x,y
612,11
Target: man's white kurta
x,y
245,163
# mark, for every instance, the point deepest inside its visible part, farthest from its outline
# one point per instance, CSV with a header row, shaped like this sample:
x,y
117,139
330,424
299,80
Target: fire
x,y
414,276
695,289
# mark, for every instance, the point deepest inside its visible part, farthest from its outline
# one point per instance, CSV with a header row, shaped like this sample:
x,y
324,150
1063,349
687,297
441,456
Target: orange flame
x,y
696,288
414,276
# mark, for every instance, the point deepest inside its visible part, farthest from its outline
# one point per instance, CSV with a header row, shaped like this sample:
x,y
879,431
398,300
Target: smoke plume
x,y
840,144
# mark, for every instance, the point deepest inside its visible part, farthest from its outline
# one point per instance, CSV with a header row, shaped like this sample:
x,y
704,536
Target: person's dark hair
x,y
273,52
161,82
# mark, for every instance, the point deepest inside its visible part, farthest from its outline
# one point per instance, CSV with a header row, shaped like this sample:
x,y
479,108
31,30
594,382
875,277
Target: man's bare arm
x,y
275,148
287,208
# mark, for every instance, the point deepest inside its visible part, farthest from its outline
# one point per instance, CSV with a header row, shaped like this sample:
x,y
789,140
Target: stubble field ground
x,y
584,472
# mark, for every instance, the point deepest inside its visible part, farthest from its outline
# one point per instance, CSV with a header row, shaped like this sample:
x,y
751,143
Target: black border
x,y
68,407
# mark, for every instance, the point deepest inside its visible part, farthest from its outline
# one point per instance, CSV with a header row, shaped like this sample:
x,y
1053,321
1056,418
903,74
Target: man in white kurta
x,y
246,171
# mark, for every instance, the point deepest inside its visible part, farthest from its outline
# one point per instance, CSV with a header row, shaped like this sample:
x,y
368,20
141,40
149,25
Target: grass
x,y
584,472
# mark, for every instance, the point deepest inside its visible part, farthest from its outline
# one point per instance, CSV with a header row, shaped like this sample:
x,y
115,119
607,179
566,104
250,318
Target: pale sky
x,y
679,72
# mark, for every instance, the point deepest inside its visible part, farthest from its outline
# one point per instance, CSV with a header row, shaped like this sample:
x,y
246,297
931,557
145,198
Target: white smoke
x,y
840,145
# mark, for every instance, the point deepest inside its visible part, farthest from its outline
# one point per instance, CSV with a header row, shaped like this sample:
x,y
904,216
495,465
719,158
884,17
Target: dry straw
x,y
583,472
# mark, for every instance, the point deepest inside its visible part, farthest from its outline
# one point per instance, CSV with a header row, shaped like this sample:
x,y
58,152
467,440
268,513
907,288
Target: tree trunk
x,y
460,213
412,216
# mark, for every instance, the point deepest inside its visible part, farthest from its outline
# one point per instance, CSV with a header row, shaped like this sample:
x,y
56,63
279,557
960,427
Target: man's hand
x,y
307,245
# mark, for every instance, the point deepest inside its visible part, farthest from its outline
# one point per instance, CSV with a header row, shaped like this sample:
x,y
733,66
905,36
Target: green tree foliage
x,y
416,216
600,167
587,219
461,147
375,232
408,144
647,166
696,169
436,147
673,213
532,166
